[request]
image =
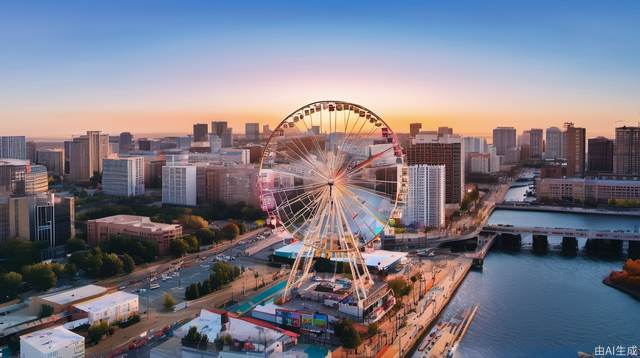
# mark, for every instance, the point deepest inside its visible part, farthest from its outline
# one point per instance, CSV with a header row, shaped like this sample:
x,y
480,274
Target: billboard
x,y
307,321
288,318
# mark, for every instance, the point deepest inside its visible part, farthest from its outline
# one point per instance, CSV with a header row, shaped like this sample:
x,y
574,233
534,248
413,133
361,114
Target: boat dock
x,y
445,336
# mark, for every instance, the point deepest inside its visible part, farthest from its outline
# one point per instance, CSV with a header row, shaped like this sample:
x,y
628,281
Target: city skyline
x,y
143,67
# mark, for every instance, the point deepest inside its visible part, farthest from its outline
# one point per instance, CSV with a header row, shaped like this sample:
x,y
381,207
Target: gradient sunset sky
x,y
160,66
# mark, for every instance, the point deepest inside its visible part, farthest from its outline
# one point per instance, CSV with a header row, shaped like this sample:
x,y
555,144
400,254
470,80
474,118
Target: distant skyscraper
x,y
123,176
215,143
144,144
574,149
32,147
504,139
53,159
600,155
627,151
125,143
13,147
554,146
445,150
536,142
86,154
200,132
426,195
218,128
252,131
227,138
266,132
414,128
474,145
179,185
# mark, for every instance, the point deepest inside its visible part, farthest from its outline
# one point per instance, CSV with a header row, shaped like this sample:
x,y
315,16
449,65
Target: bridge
x,y
565,232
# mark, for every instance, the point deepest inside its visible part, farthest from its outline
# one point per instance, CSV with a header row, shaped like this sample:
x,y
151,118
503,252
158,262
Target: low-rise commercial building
x,y
52,342
112,308
587,189
135,226
63,301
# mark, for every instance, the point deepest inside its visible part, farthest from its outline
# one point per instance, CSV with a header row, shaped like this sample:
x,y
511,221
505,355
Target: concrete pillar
x,y
634,250
540,244
510,242
569,246
604,248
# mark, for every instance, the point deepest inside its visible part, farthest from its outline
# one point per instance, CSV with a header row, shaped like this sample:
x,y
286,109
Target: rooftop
x,y
74,295
109,300
381,259
136,221
50,340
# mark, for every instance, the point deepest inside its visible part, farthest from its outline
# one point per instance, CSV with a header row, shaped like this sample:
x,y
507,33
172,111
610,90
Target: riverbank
x,y
564,209
630,291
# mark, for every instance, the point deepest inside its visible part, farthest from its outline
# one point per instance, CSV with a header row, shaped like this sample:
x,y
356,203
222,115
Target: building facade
x,y
426,196
414,129
135,226
123,176
574,149
252,131
230,185
179,185
504,139
53,342
200,132
445,150
627,151
53,160
536,141
587,189
600,155
13,147
554,144
36,180
112,308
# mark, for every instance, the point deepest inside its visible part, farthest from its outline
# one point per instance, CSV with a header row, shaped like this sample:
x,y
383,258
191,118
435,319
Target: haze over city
x,y
157,67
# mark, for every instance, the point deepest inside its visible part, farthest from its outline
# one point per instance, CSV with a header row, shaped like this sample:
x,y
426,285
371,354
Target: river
x,y
544,306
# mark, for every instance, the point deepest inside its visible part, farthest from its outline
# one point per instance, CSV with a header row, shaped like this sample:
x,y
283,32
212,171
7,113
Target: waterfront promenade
x,y
426,310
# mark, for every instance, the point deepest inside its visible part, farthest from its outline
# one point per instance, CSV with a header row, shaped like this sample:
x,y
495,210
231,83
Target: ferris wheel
x,y
332,176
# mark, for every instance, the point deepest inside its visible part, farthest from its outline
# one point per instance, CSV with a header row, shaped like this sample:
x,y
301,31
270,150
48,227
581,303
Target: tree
x,y
45,311
169,302
178,247
40,276
70,270
230,231
206,236
93,264
195,339
96,331
128,265
348,334
10,283
193,243
400,287
17,253
193,222
111,265
74,245
372,329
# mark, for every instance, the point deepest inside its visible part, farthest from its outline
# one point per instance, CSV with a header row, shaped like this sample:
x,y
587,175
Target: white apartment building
x,y
179,185
123,176
426,196
52,342
112,308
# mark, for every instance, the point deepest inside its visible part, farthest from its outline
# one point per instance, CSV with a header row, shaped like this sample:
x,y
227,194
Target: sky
x,y
160,66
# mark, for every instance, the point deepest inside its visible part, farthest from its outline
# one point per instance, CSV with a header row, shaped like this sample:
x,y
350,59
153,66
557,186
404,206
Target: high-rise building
x,y
252,131
64,213
495,160
443,131
218,128
627,151
125,143
474,145
32,147
13,176
53,159
200,132
215,143
574,149
446,150
504,139
426,196
227,138
179,185
144,144
536,143
479,163
414,129
123,176
554,145
13,147
36,180
28,217
86,155
230,185
266,132
600,155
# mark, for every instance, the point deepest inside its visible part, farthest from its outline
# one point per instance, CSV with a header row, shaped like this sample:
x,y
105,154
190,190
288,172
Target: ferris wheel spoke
x,y
307,208
292,188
